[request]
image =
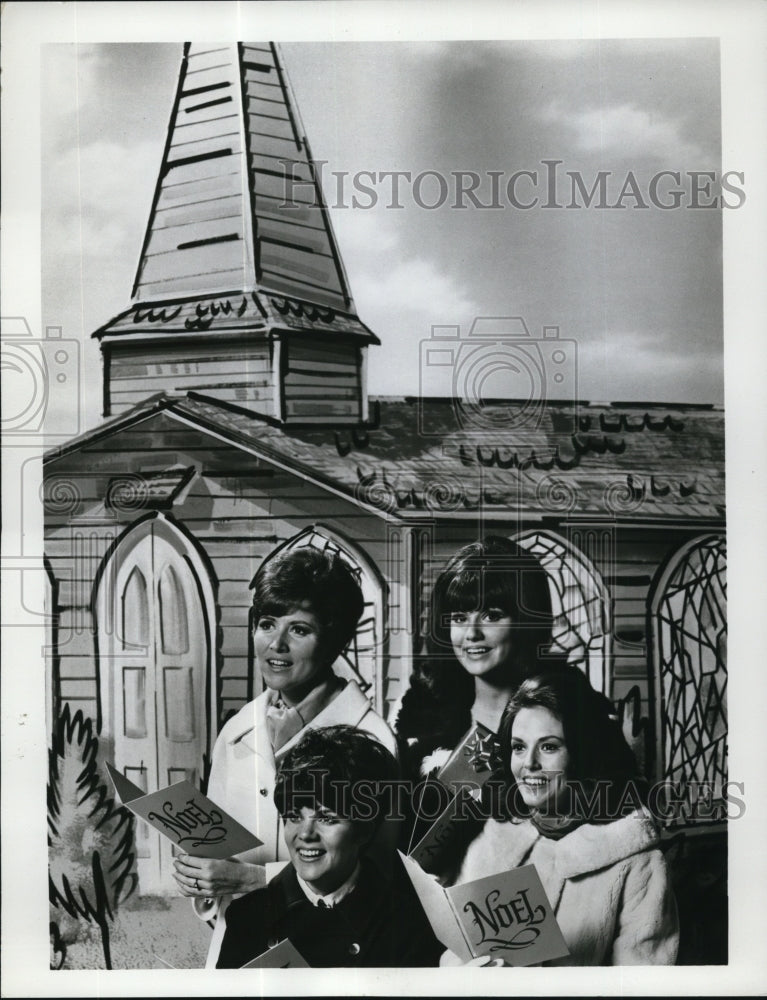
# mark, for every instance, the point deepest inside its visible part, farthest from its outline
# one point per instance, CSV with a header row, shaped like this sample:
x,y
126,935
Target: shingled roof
x,y
622,461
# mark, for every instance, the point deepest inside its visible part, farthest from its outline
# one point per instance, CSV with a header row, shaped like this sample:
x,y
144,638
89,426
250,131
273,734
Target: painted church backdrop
x,y
237,423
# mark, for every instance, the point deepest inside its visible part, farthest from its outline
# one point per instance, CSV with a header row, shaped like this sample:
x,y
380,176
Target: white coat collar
x,y
348,708
588,848
591,847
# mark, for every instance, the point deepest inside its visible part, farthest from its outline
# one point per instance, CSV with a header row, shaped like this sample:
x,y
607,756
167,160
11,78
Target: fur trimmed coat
x,y
608,885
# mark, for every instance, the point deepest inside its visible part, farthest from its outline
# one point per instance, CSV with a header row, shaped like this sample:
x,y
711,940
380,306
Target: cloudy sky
x,y
638,289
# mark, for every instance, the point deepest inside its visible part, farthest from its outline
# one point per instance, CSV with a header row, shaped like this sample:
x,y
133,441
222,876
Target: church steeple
x,y
239,281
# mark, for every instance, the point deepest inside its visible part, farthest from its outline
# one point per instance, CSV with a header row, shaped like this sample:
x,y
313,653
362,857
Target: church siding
x,y
321,380
238,372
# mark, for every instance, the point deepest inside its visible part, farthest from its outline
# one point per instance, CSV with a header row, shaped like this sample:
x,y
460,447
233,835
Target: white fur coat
x,y
608,885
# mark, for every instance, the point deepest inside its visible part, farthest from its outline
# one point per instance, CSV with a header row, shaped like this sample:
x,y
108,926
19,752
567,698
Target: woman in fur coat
x,y
572,805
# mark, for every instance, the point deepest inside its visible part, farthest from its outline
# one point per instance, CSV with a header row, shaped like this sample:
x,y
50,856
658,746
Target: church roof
x,y
622,461
239,238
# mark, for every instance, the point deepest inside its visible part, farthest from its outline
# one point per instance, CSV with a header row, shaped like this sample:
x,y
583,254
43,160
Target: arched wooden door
x,y
155,675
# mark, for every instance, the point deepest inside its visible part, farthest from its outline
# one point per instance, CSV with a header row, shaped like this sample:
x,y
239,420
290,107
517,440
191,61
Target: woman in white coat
x,y
571,804
305,612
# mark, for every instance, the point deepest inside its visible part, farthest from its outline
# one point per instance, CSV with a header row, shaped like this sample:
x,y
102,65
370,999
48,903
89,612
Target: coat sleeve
x,y
246,925
383,848
647,927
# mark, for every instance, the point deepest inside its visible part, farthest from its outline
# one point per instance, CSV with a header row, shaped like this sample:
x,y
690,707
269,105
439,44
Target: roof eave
x,y
147,408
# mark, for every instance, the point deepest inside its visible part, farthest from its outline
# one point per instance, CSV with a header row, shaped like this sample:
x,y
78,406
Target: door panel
x,y
134,620
144,836
178,698
174,628
134,703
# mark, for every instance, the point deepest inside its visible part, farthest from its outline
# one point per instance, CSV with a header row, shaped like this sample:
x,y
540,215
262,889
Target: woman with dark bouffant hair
x,y
490,627
573,807
306,607
333,792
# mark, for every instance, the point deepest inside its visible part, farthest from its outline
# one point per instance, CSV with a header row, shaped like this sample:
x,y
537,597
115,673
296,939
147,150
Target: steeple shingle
x,y
237,205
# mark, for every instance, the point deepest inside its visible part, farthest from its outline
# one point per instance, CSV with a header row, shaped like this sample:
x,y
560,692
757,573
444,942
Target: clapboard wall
x,y
321,381
238,371
237,510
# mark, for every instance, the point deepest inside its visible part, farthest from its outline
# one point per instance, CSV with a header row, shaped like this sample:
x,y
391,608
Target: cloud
x,y
459,53
633,363
103,196
384,277
629,131
416,286
362,231
399,295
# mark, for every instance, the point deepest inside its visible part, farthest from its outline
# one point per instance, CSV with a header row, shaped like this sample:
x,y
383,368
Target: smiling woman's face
x,y
483,640
539,758
323,847
289,652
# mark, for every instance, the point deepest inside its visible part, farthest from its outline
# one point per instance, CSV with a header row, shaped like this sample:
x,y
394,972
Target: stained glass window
x,y
580,605
691,661
359,661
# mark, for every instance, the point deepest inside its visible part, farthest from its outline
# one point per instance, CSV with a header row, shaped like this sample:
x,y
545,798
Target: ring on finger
x,y
197,884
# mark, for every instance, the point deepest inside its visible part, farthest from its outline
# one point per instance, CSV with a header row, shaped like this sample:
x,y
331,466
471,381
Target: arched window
x,y
362,659
689,626
580,603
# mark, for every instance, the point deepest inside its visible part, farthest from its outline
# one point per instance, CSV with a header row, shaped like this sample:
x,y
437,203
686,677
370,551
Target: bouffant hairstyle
x,y
319,581
603,781
494,572
344,769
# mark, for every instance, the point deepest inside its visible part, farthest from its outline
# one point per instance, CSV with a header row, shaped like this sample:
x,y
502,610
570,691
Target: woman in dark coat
x,y
490,626
331,903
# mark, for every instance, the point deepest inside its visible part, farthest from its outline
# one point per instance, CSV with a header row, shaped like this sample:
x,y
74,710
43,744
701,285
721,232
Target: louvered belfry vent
x,y
239,279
